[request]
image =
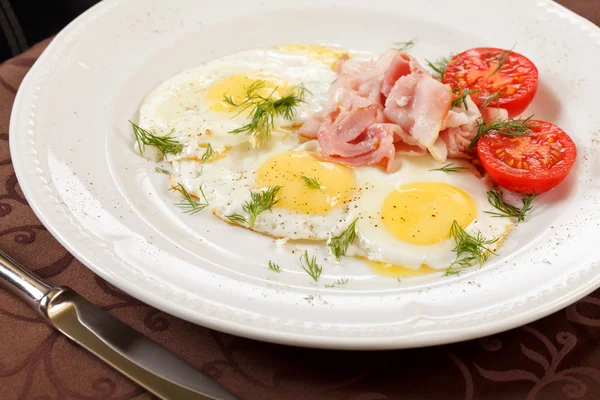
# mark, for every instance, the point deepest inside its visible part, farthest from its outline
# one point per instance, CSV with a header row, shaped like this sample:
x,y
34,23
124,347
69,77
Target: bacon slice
x,y
458,131
379,107
399,67
343,135
310,129
381,136
460,128
419,104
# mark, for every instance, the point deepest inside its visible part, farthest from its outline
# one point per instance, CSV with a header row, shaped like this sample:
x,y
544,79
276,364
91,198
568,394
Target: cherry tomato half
x,y
502,78
534,163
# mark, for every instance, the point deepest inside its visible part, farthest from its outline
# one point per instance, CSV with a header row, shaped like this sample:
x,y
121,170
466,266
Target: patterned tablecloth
x,y
557,357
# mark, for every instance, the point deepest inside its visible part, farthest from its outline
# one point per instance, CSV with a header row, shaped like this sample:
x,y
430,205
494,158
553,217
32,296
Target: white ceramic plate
x,y
72,149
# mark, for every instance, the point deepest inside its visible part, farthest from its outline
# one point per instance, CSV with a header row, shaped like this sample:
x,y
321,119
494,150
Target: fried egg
x,y
302,211
200,106
404,218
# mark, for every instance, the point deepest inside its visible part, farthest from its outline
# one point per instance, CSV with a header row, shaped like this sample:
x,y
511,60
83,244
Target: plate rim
x,y
249,331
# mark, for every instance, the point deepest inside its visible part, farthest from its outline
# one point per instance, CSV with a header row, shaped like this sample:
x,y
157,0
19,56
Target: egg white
x,y
376,243
227,183
180,107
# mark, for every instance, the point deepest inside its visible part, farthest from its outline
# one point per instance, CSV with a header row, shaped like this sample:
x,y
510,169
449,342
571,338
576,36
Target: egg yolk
x,y
236,87
308,185
422,213
385,269
327,55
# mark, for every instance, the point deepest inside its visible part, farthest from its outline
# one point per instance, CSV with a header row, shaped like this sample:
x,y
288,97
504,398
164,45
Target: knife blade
x,y
122,347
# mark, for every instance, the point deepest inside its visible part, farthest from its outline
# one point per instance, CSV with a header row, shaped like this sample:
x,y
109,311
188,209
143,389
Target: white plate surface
x,y
72,149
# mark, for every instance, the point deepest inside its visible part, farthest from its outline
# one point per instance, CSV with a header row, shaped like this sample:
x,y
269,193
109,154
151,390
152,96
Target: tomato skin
x,y
547,156
517,79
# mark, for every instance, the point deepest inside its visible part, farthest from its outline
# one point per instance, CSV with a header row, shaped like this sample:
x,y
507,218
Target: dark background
x,y
23,23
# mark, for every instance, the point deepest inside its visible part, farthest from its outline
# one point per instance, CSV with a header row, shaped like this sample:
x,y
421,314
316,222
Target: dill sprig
x,y
162,171
462,97
508,210
165,144
189,205
490,99
274,267
452,271
263,110
469,249
312,183
338,282
402,46
207,154
502,60
440,66
236,218
260,202
448,168
507,127
339,244
310,266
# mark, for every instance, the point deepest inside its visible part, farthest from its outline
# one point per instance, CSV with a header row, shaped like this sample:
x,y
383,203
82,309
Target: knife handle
x,y
22,283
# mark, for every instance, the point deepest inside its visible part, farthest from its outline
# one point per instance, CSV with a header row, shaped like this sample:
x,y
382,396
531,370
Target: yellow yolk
x,y
385,269
236,87
422,213
286,170
327,55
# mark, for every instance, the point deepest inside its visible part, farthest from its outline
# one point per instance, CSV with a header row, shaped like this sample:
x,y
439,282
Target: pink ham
x,y
460,128
458,131
377,108
382,138
310,129
419,103
343,135
399,67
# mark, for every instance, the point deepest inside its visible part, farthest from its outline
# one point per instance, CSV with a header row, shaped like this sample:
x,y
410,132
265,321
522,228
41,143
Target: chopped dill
x,y
312,183
260,202
507,127
274,267
165,144
310,266
162,171
462,97
448,168
469,249
508,210
403,46
236,219
188,204
440,66
338,282
494,97
207,154
502,60
263,110
339,244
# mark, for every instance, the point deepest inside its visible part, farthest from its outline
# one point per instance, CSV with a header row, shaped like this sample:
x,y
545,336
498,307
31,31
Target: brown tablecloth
x,y
555,358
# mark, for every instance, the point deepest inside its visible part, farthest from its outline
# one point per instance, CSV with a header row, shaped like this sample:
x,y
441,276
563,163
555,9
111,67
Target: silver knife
x,y
125,349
